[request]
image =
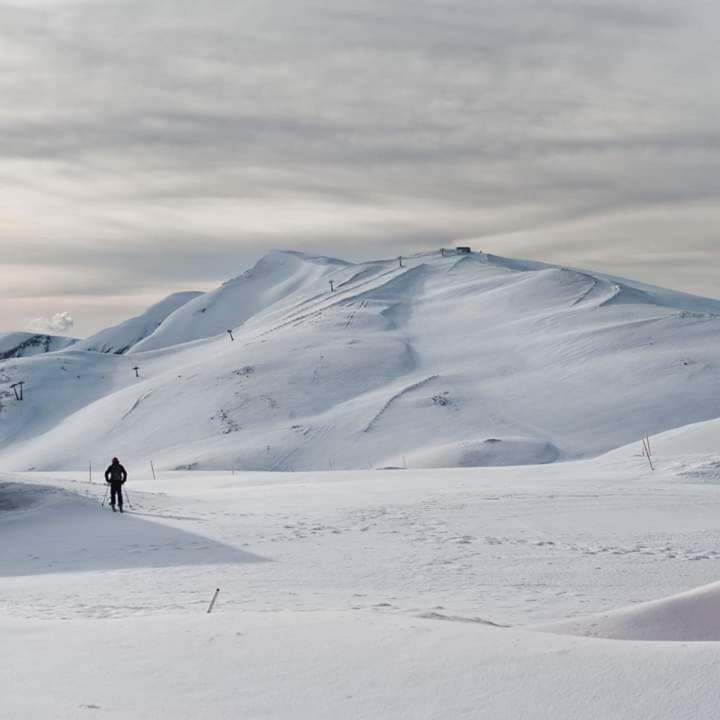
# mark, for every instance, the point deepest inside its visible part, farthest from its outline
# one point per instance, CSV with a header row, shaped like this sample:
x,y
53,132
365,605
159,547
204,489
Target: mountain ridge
x,y
440,358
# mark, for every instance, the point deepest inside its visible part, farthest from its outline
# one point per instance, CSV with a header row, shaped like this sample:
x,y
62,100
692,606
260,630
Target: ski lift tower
x,y
17,388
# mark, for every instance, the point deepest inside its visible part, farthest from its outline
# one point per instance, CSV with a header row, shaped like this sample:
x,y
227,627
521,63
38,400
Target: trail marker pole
x,y
400,261
90,470
152,467
647,452
232,337
332,286
213,601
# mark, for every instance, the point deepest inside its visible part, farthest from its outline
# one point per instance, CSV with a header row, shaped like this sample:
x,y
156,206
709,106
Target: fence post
x,y
647,453
213,601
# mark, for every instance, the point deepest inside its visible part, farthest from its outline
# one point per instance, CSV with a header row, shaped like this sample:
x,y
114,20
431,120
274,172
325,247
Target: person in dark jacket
x,y
115,476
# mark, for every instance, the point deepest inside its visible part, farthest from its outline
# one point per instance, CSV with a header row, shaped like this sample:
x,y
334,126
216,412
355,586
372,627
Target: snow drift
x,y
495,452
689,617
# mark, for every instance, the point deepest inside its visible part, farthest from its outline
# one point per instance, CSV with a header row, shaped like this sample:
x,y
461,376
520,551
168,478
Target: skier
x,y
115,476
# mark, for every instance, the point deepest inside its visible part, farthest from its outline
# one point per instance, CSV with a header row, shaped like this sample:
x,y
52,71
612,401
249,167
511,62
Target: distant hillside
x,y
21,344
448,359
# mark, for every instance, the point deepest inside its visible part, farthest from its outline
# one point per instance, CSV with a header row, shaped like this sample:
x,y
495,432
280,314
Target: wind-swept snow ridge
x,y
121,338
443,359
275,277
689,617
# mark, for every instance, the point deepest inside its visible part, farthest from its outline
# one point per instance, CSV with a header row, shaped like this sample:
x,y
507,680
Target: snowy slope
x,y
123,337
445,360
420,595
688,617
695,439
21,344
274,278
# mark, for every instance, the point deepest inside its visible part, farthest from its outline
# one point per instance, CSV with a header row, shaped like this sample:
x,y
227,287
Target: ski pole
x,y
107,489
127,497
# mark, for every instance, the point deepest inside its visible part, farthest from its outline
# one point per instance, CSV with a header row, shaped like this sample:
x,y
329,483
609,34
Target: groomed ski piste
x,y
470,581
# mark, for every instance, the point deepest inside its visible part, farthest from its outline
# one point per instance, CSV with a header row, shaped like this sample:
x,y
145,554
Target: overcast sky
x,y
147,147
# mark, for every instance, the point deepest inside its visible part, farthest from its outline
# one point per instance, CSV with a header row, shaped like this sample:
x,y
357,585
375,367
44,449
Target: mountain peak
x,y
433,359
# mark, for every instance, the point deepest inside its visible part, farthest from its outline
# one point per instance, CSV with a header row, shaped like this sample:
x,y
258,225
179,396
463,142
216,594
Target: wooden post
x,y
213,601
332,286
400,261
17,388
152,467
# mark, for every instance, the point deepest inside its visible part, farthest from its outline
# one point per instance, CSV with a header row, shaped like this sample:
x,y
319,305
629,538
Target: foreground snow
x,y
399,594
330,665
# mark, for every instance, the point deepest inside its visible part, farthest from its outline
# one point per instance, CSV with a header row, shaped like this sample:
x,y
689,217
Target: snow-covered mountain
x,y
22,344
275,278
446,359
122,338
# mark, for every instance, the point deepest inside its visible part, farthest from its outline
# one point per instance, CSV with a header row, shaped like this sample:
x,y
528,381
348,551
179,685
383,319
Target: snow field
x,y
328,665
417,594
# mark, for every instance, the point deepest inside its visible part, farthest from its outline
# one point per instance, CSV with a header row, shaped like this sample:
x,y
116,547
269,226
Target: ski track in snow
x,y
397,396
136,404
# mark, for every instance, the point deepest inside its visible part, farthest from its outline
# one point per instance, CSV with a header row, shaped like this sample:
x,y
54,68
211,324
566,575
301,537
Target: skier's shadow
x,y
49,530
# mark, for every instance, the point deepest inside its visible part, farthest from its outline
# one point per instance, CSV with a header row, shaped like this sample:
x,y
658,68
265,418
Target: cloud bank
x,y
148,147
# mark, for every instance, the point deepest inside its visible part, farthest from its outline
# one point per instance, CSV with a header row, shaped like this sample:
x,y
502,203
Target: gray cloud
x,y
149,146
